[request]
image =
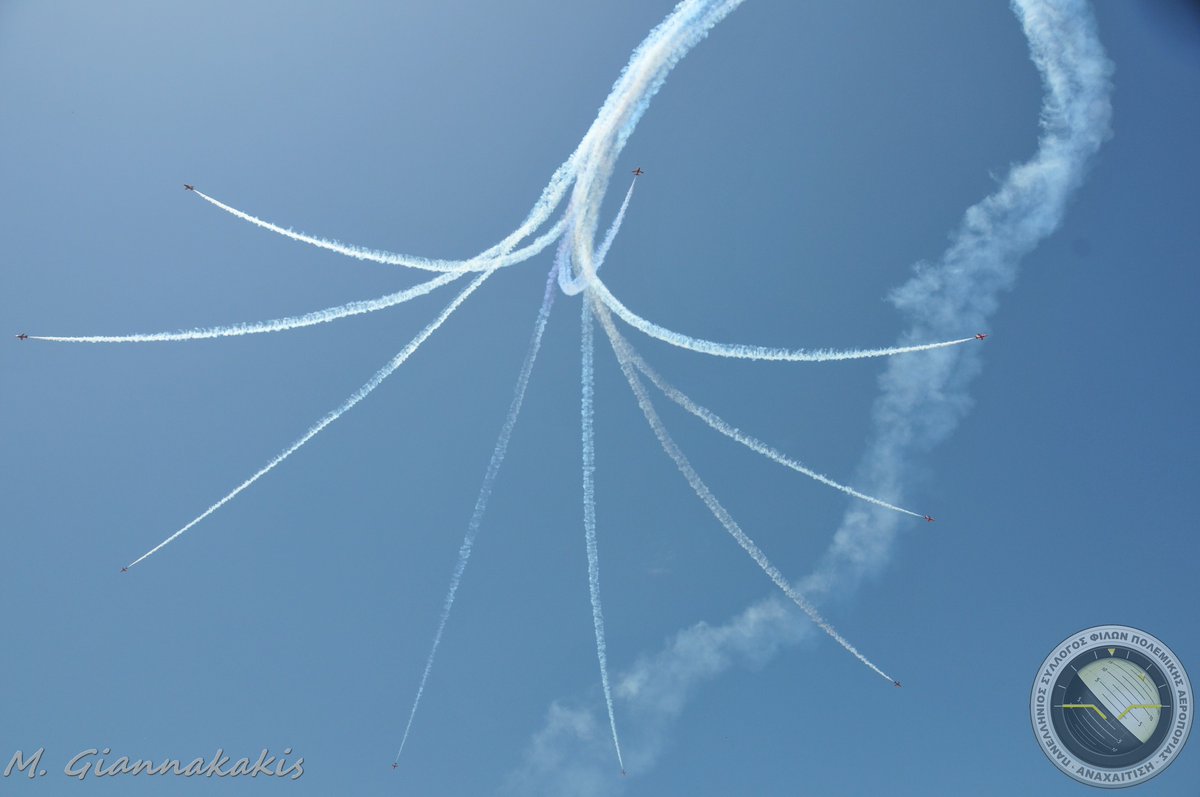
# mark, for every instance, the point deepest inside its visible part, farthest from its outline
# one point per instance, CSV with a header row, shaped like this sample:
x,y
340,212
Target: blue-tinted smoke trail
x,y
485,493
275,325
588,437
571,285
750,352
356,397
710,500
488,259
922,399
715,422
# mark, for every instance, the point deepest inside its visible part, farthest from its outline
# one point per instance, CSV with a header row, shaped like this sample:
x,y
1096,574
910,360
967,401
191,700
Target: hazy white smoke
x,y
922,400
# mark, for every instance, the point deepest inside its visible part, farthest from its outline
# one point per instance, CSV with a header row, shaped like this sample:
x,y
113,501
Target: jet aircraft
x,y
638,172
981,336
22,336
189,187
928,519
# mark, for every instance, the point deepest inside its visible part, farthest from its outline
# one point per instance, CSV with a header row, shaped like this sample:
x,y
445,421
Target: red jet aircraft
x,y
638,172
981,336
928,519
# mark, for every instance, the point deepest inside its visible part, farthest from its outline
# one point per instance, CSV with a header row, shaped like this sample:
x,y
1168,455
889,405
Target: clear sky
x,y
799,162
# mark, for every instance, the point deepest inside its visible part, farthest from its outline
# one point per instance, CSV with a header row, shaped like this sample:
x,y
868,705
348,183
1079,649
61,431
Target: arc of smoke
x,y
922,400
333,415
589,167
588,438
485,494
482,262
716,422
274,325
719,512
745,351
645,73
572,285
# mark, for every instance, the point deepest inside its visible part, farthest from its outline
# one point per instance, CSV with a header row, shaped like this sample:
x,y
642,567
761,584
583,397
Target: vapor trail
x,y
710,500
482,262
923,399
646,72
588,436
715,422
749,352
572,285
329,418
588,168
275,325
485,493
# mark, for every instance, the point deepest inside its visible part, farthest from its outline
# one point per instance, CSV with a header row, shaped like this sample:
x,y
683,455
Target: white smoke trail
x,y
749,352
685,27
588,437
715,422
922,400
485,493
481,262
589,167
332,416
275,325
710,500
571,285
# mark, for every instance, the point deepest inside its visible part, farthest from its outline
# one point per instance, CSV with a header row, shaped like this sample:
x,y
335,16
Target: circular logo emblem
x,y
1111,706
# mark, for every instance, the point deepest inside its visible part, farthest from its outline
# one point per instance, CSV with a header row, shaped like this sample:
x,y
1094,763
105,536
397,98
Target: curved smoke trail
x,y
588,167
716,422
571,285
275,325
710,500
923,398
745,351
483,261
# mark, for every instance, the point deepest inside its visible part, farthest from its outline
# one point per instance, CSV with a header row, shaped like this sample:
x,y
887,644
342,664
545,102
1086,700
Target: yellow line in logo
x,y
1138,705
1091,706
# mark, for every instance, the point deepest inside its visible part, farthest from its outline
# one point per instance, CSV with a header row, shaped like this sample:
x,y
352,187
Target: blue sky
x,y
799,162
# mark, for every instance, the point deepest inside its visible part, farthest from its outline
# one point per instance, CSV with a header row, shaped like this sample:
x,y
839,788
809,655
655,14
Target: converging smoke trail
x,y
748,352
710,500
357,396
715,422
589,167
275,325
571,285
646,72
481,262
485,493
588,437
